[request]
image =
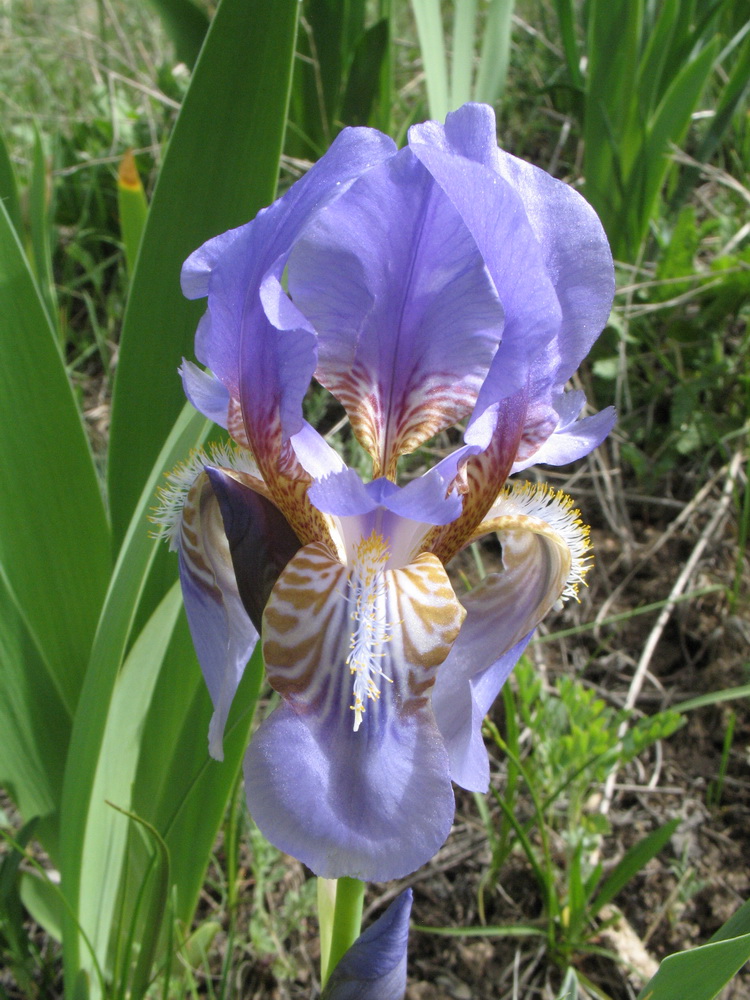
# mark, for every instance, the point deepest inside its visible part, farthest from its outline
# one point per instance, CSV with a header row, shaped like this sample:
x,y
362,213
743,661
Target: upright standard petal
x,y
374,968
349,774
573,253
407,316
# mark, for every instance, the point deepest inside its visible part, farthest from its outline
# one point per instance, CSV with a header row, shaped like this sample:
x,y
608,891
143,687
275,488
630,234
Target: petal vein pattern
x,y
332,634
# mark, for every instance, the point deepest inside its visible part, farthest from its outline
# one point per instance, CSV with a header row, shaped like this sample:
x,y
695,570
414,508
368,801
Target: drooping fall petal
x,y
349,773
223,634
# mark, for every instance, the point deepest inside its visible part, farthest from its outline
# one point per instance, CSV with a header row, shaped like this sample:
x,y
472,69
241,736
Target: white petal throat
x,y
371,630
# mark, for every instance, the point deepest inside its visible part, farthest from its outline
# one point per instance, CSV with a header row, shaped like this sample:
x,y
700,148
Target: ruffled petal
x,y
231,267
206,393
349,773
407,315
497,219
374,968
223,635
570,248
462,697
574,247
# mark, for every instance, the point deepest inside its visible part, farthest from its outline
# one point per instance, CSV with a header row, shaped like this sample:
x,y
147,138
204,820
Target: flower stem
x,y
340,917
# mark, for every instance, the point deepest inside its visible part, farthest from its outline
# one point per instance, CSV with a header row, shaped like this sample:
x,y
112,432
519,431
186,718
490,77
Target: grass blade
x,y
633,861
495,57
432,45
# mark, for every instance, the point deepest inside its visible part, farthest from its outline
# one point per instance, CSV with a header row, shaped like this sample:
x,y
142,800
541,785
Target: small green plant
x,y
548,804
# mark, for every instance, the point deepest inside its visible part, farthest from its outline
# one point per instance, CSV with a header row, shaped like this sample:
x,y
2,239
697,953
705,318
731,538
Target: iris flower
x,y
443,285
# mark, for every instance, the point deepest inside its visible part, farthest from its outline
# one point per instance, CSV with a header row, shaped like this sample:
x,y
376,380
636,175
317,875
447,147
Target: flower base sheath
x,y
446,283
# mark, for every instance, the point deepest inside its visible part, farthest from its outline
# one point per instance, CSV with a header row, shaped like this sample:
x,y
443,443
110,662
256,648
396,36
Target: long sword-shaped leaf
x,y
179,789
221,167
54,540
698,973
34,726
110,643
105,835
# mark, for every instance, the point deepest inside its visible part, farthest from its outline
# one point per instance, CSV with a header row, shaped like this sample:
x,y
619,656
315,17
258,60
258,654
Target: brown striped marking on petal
x,y
338,639
388,428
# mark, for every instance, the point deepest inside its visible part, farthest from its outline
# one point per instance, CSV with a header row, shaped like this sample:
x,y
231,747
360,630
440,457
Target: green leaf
x,y
108,652
492,930
713,698
495,54
669,126
178,788
364,86
35,725
221,167
432,45
566,17
611,128
730,100
462,54
707,969
632,862
652,65
737,925
569,989
40,193
105,832
186,24
43,899
54,540
9,188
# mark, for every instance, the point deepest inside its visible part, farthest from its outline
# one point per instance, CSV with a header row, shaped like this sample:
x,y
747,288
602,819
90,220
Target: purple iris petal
x,y
343,494
241,344
375,804
572,250
462,696
374,968
314,453
223,635
206,393
495,216
571,441
407,316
